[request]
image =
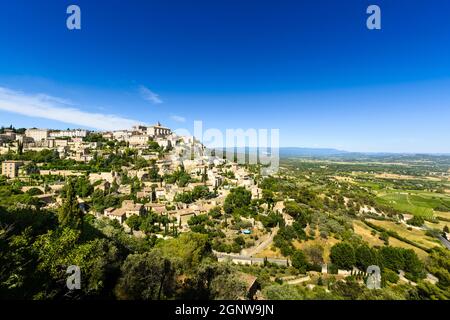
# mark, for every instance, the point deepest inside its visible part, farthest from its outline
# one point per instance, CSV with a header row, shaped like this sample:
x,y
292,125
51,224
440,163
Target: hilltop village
x,y
150,168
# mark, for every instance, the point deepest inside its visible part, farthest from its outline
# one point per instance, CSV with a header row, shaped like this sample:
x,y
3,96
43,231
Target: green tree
x,y
343,255
390,276
134,222
153,145
315,254
439,265
201,192
189,249
392,258
214,280
268,197
147,276
301,216
69,214
140,163
239,240
17,262
34,191
237,198
215,212
413,267
385,237
153,172
365,257
417,221
83,187
350,289
98,260
428,291
282,292
299,261
31,168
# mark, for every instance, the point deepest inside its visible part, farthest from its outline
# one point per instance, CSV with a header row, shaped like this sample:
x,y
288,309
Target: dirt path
x,y
249,252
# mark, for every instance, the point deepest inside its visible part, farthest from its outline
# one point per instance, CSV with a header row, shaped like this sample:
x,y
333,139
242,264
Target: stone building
x,y
10,169
37,134
128,209
158,130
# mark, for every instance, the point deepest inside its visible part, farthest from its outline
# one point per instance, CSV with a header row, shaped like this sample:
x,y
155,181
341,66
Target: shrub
x,y
332,268
390,276
343,255
299,261
239,240
34,191
416,221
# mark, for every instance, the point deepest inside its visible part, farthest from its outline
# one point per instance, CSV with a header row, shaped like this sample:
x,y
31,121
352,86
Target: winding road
x,y
444,241
249,252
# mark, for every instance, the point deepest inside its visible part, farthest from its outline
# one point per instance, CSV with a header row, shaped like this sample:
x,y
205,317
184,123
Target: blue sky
x,y
309,68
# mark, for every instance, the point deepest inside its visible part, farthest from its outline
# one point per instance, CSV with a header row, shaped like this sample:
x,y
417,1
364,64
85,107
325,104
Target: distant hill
x,y
287,152
293,151
310,152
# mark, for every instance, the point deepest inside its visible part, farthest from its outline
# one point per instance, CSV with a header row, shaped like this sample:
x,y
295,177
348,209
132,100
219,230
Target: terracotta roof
x,y
116,212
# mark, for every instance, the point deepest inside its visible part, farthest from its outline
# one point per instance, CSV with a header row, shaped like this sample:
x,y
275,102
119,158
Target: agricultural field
x,y
438,224
373,239
416,235
423,195
418,203
443,215
367,233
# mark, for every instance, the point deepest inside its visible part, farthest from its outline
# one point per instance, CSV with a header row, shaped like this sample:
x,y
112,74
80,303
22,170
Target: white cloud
x,y
177,118
149,95
53,108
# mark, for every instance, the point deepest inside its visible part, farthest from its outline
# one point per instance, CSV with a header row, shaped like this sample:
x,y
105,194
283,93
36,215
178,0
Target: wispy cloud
x,y
149,95
177,118
53,108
